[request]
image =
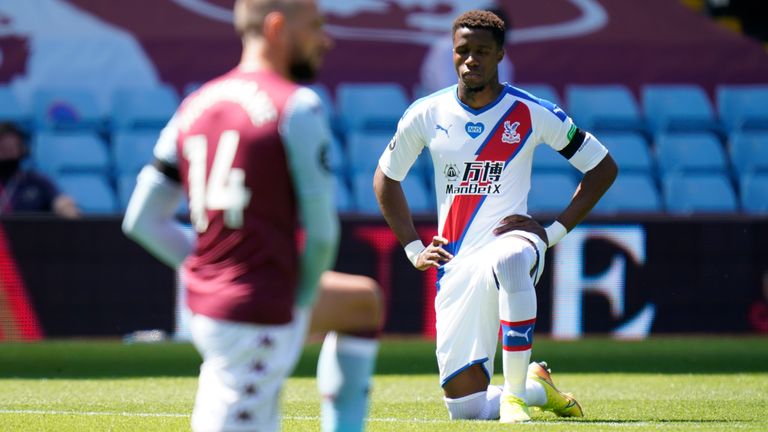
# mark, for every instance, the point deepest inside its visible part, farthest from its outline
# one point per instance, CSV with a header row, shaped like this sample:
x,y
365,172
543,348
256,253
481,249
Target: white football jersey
x,y
482,158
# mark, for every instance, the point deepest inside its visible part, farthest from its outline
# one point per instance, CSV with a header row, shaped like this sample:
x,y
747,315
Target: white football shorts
x,y
243,371
467,306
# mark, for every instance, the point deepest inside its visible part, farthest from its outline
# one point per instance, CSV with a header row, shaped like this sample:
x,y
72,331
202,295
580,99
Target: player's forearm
x,y
592,187
150,218
394,207
321,229
319,256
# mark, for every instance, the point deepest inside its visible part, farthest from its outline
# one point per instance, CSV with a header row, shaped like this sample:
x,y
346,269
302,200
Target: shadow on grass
x,y
100,359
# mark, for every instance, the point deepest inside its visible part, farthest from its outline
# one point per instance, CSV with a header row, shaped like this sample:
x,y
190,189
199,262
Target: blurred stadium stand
x,y
688,98
66,108
143,108
743,107
686,193
670,107
604,107
687,136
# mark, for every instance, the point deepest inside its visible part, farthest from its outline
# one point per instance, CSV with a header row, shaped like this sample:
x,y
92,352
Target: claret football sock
x,y
344,372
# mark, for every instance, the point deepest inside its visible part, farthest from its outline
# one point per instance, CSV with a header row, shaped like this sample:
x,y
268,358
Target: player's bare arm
x,y
394,208
592,187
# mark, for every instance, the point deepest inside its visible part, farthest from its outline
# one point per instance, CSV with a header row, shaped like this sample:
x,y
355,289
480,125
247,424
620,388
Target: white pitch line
x,y
92,413
373,419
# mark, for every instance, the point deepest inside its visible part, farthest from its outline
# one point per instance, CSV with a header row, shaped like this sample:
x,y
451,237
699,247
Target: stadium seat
x,y
632,192
604,107
542,91
629,150
698,193
56,153
546,159
689,152
371,107
749,151
678,107
91,192
550,192
417,194
754,193
131,150
364,150
342,195
362,191
150,107
743,106
125,185
11,108
414,188
65,108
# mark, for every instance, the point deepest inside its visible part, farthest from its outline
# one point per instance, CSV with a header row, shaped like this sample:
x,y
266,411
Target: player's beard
x,y
473,88
301,68
302,71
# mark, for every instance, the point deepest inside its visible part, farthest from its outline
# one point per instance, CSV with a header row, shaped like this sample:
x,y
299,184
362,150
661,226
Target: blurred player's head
x,y
12,149
292,30
478,47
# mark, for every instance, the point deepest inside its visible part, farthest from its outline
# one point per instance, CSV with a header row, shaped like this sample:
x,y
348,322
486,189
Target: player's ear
x,y
274,24
500,55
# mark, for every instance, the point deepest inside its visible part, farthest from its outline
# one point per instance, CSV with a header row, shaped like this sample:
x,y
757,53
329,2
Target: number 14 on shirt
x,y
224,189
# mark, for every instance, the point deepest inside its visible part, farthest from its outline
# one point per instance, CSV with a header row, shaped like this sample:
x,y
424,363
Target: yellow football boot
x,y
562,404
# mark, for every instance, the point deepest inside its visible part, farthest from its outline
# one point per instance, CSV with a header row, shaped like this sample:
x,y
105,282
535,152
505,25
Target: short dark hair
x,y
482,20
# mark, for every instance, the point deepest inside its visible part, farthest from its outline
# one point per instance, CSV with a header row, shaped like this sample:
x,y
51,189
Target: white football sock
x,y
492,399
517,311
344,372
467,407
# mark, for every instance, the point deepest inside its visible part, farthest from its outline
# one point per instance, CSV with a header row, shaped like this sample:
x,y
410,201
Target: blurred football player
x,y
248,149
489,253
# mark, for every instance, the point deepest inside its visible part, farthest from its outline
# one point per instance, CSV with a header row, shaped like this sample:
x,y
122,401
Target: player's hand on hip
x,y
434,255
521,223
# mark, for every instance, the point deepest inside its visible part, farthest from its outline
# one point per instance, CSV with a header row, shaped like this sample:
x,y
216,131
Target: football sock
x,y
517,311
492,399
468,407
344,372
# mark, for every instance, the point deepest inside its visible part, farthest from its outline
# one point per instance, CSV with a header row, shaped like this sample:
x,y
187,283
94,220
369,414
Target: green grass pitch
x,y
661,384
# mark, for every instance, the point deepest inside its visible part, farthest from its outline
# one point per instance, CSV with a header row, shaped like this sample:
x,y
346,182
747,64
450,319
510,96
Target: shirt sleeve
x,y
307,137
404,147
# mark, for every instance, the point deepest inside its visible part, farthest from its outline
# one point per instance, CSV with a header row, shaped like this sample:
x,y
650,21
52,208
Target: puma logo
x,y
515,333
440,128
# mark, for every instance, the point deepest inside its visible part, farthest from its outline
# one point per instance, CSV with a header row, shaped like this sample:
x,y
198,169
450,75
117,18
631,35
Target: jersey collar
x,y
479,111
